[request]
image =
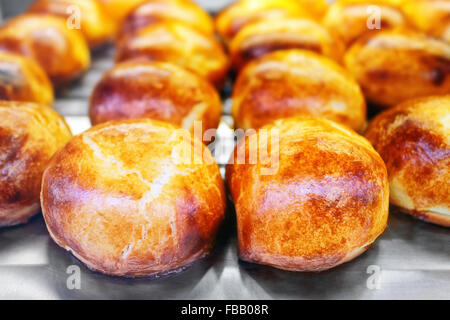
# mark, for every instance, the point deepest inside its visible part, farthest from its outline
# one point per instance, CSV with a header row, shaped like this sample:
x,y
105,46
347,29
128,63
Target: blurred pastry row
x,y
140,193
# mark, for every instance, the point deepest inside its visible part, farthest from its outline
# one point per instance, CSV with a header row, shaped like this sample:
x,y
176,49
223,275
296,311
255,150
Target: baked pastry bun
x,y
161,11
127,199
60,51
29,136
431,17
352,19
414,141
179,44
394,66
156,90
22,79
93,21
317,196
233,18
257,39
296,82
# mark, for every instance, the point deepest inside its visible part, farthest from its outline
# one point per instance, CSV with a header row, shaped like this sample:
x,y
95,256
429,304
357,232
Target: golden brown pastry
x,y
60,51
260,38
94,23
161,11
240,13
352,19
179,44
394,66
156,90
414,141
296,82
29,136
119,9
21,79
432,17
127,199
323,203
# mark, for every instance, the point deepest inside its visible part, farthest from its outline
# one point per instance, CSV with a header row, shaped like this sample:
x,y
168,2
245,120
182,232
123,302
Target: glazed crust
x,y
162,11
432,17
126,199
260,38
179,44
241,13
21,79
323,203
349,19
414,141
296,82
95,24
119,9
158,91
395,66
60,51
29,135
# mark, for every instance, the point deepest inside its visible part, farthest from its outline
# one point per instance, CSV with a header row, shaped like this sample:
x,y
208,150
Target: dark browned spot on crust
x,y
438,76
378,75
412,143
439,69
190,239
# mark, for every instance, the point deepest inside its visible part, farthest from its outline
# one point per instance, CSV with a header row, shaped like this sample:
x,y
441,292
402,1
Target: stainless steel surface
x,y
411,260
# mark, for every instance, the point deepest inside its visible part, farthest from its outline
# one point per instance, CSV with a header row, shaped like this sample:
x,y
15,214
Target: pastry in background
x,y
29,136
119,9
88,15
397,65
22,79
431,17
351,19
316,198
413,139
134,198
63,53
156,90
296,82
240,13
161,11
260,38
179,44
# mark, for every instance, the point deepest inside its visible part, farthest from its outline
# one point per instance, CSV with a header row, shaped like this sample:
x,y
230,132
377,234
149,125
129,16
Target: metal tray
x,y
411,260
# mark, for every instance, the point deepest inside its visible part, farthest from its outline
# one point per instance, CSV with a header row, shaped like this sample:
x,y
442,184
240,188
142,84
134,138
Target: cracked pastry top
x,y
134,198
